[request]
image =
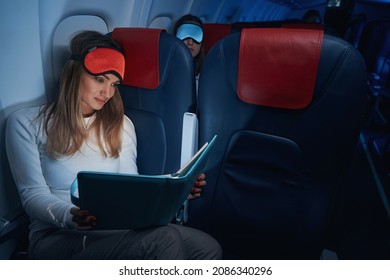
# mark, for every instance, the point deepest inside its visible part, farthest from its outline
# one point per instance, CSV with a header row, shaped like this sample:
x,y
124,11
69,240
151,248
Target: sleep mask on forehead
x,y
190,30
99,61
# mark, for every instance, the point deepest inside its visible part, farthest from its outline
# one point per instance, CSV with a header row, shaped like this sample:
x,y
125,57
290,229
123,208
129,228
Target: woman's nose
x,y
189,41
107,91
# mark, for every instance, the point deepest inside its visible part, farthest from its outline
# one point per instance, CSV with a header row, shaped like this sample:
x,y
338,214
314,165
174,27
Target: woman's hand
x,y
82,219
197,189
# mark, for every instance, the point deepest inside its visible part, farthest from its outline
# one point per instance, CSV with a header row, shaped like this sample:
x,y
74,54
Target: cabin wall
x,y
21,79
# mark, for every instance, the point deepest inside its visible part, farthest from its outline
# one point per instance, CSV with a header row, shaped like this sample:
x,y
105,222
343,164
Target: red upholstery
x,y
141,47
281,70
214,32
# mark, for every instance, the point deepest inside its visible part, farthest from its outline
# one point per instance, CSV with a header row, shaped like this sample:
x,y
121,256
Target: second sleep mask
x,y
190,30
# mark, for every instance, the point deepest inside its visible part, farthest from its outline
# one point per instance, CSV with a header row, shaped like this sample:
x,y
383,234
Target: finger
x,y
75,211
78,219
193,196
200,183
87,223
196,190
85,226
83,219
201,177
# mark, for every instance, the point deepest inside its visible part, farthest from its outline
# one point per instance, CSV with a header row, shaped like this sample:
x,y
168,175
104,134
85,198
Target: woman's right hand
x,y
82,219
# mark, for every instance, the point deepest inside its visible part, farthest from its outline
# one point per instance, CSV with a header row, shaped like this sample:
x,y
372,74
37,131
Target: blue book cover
x,y
134,201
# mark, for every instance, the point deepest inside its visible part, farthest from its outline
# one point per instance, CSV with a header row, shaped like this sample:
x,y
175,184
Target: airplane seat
x,y
158,92
380,115
377,55
381,70
374,41
214,32
310,25
14,231
240,25
355,29
287,121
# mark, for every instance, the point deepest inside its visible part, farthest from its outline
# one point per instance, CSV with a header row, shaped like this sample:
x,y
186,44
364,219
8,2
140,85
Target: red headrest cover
x,y
277,67
214,32
141,46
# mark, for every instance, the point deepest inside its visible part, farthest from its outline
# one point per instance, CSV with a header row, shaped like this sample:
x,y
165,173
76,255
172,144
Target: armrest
x,y
13,224
189,146
189,138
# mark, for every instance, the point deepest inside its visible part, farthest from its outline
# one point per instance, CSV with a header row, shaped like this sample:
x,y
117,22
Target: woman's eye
x,y
99,79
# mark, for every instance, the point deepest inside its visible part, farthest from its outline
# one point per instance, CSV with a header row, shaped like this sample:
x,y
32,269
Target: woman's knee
x,y
166,243
198,244
210,249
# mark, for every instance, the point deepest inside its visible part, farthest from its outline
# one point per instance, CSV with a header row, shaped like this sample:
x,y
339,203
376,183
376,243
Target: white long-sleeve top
x,y
43,182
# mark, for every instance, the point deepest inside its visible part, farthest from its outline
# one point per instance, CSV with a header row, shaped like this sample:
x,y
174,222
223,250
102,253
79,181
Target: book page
x,y
189,163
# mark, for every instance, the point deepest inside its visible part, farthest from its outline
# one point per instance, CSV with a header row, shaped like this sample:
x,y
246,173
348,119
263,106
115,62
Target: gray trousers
x,y
161,243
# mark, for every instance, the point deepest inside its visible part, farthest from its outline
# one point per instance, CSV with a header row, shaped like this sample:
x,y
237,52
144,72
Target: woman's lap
x,y
167,242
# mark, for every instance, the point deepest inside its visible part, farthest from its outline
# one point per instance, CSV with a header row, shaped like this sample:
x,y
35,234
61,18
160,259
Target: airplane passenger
x,y
86,129
189,29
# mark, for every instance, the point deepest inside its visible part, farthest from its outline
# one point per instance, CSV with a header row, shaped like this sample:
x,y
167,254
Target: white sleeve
x,y
128,153
22,138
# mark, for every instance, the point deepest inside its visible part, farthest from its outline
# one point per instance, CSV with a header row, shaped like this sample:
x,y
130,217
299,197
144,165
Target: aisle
x,y
361,221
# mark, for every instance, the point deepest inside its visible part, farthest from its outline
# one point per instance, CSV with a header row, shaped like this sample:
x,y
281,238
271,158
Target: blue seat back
x,y
287,120
157,90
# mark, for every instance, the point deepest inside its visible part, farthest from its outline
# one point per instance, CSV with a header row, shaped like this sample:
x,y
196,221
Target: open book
x,y
124,201
185,168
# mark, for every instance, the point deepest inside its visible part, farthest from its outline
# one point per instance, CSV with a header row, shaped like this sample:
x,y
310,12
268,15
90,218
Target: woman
x,y
189,29
86,129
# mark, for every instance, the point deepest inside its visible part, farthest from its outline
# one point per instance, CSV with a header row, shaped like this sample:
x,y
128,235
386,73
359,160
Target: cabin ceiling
x,y
300,4
229,11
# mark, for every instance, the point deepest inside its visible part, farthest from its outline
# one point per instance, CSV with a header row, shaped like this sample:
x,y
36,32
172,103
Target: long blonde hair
x,y
63,119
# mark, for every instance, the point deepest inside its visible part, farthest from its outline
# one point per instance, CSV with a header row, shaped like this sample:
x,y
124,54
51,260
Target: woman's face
x,y
95,91
193,46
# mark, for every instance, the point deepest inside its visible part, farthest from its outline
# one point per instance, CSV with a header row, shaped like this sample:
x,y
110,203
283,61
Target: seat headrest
x,y
305,25
214,32
277,67
141,46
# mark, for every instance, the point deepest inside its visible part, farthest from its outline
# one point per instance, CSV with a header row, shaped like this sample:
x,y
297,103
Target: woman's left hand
x,y
197,188
82,219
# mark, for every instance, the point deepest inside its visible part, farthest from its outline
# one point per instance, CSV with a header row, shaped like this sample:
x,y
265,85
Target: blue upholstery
x,y
157,110
375,48
355,30
274,171
375,43
378,77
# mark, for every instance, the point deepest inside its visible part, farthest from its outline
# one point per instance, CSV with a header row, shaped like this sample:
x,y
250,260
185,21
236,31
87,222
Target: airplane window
x,y
161,22
65,30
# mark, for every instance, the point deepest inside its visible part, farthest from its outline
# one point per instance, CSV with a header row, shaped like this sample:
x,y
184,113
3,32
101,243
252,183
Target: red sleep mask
x,y
98,61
